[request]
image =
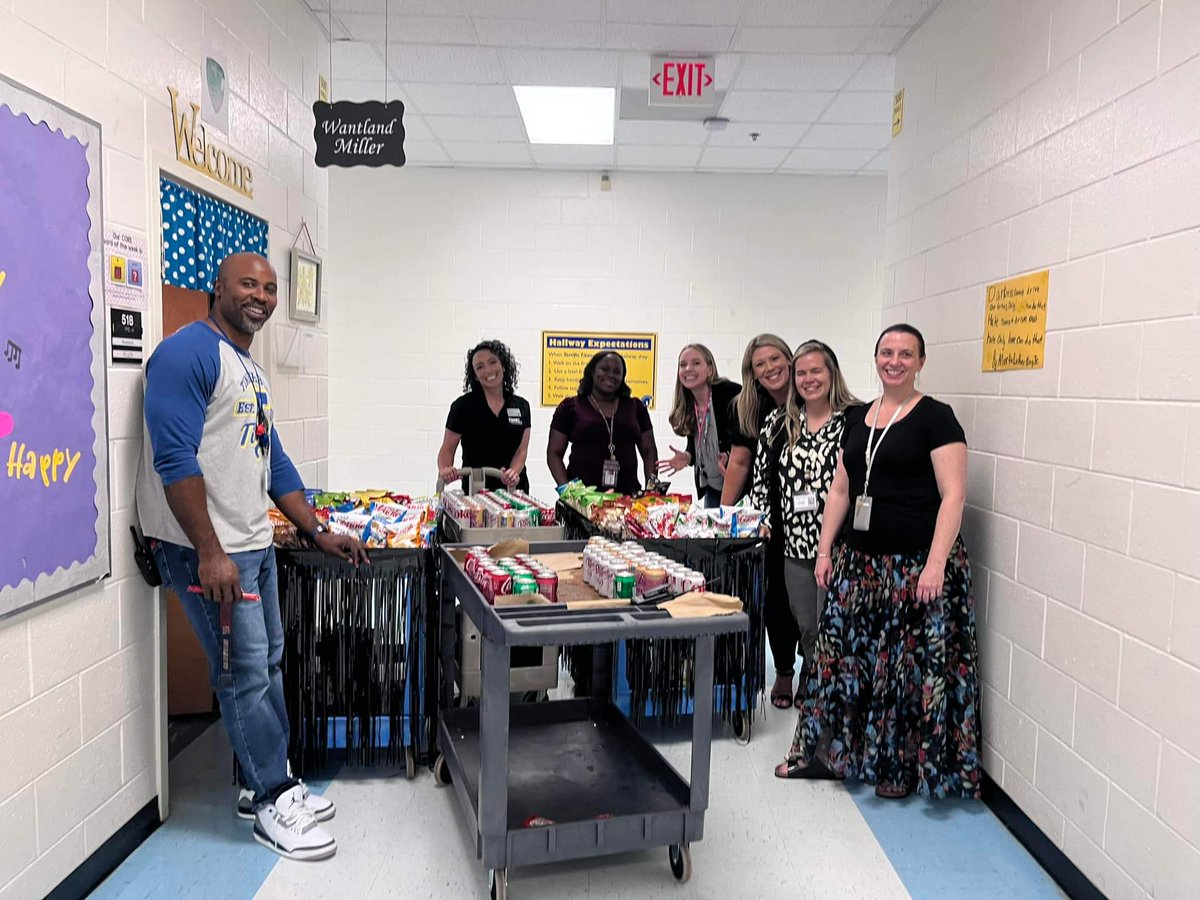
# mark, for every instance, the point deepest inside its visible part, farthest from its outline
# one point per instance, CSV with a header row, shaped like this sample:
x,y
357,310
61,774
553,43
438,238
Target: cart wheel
x,y
441,775
410,763
741,727
681,861
498,879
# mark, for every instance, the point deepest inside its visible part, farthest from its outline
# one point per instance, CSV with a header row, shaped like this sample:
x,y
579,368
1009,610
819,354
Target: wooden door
x,y
188,689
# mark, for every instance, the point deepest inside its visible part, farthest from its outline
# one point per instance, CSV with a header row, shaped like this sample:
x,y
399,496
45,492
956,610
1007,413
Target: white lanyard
x,y
872,452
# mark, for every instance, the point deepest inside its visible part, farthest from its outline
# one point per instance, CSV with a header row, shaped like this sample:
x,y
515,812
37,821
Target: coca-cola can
x,y
547,583
501,582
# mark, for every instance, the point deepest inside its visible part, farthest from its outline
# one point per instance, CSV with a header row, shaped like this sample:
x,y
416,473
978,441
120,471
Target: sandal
x,y
889,790
781,699
813,770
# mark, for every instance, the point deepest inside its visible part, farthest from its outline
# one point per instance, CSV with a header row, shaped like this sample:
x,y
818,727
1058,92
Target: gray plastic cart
x,y
567,779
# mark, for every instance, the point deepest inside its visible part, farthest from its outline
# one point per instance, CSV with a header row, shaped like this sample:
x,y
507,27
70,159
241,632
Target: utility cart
x,y
567,779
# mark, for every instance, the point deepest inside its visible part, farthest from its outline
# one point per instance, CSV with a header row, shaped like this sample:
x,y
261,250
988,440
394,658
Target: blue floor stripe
x,y
951,848
203,849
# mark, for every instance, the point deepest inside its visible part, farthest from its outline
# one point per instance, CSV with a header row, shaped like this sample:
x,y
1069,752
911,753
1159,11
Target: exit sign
x,y
681,80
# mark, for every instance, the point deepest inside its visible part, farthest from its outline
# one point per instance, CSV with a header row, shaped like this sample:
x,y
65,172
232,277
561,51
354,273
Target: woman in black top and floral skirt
x,y
895,699
797,456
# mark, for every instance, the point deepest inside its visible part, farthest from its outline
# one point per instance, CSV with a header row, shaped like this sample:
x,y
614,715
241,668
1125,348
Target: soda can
x,y
623,583
693,581
547,584
524,584
501,582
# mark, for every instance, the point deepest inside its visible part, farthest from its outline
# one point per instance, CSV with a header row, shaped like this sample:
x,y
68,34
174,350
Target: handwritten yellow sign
x,y
898,112
1014,333
565,353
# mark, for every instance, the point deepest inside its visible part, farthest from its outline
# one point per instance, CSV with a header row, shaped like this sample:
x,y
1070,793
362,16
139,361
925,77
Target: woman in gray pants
x,y
798,451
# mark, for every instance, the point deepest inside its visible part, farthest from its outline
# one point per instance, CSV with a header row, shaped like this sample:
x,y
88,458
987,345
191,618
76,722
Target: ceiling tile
x,y
581,68
464,99
424,152
878,73
758,158
800,40
547,35
424,7
775,106
635,69
796,73
883,40
415,129
870,137
770,134
815,13
488,153
878,164
907,12
409,29
668,38
354,5
810,160
356,62
672,12
662,133
542,10
477,128
865,107
657,157
456,65
575,157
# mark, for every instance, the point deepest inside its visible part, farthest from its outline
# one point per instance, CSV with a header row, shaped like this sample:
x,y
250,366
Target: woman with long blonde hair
x,y
766,371
793,469
702,412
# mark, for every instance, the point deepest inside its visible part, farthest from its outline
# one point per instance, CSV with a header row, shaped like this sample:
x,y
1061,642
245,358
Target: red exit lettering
x,y
683,78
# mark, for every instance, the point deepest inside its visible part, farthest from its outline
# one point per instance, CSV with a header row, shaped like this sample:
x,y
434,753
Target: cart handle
x,y
476,479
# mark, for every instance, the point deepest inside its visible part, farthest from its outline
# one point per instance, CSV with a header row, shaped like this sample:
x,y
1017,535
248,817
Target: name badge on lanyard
x,y
514,416
862,503
805,502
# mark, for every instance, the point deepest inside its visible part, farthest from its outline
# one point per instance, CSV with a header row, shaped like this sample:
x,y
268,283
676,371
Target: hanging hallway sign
x,y
565,353
359,134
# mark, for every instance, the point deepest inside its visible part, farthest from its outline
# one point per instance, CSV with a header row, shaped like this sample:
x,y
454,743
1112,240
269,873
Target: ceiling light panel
x,y
567,115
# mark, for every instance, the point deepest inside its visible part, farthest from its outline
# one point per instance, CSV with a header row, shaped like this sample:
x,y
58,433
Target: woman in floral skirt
x,y
894,700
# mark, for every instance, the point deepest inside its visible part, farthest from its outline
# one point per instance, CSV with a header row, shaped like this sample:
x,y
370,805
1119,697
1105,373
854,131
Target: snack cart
x,y
567,779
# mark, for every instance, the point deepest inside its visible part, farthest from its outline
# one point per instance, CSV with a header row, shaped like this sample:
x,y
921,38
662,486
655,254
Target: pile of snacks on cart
x,y
519,574
380,519
497,509
667,516
630,571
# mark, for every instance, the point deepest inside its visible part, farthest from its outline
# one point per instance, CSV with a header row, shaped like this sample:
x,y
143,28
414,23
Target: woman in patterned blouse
x,y
797,457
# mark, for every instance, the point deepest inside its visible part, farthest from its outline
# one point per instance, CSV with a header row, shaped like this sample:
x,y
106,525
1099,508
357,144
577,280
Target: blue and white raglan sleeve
x,y
284,477
180,380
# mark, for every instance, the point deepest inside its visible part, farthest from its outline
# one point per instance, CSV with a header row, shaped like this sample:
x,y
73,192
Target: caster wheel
x,y
681,862
410,763
441,774
498,878
741,728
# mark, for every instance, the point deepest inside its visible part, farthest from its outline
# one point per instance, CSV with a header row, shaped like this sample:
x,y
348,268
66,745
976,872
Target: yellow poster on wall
x,y
565,353
1014,332
898,112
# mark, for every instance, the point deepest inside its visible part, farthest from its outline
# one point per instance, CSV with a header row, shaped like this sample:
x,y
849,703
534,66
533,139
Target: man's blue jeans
x,y
253,707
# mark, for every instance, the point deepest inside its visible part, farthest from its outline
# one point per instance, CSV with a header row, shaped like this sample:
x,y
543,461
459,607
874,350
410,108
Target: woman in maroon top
x,y
606,429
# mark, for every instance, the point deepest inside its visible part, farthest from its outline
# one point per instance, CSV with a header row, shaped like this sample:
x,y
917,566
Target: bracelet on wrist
x,y
821,555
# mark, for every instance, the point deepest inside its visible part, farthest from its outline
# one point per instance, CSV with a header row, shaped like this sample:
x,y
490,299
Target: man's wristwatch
x,y
321,528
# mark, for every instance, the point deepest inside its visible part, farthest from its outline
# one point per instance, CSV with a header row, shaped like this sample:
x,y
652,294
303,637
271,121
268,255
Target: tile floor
x,y
764,838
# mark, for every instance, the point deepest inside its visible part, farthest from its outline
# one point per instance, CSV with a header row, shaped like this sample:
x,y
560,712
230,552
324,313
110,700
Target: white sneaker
x,y
319,806
288,827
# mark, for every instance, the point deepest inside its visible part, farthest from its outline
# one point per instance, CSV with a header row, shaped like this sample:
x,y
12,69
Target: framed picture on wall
x,y
304,304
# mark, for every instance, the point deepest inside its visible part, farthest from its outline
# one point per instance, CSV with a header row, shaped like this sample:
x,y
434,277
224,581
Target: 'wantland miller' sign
x,y
359,134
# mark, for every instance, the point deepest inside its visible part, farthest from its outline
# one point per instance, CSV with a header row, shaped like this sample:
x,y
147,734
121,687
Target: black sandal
x,y
813,770
890,790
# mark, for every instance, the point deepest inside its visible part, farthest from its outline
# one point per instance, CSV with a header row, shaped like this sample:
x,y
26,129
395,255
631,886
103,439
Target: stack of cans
x,y
629,571
520,574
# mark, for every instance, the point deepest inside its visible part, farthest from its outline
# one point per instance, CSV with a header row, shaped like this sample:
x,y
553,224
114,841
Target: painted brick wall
x,y
425,262
77,696
1064,135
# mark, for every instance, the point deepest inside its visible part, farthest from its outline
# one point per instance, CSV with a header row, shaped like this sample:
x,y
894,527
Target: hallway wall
x,y
1066,136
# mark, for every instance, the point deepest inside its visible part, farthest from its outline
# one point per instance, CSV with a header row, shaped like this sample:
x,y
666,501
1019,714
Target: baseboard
x,y
1064,872
93,870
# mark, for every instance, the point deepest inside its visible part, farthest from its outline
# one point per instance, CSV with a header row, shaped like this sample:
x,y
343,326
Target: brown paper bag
x,y
701,604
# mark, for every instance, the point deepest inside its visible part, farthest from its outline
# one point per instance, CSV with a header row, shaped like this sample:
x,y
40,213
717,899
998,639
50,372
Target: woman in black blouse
x,y
489,420
797,456
702,413
606,429
896,695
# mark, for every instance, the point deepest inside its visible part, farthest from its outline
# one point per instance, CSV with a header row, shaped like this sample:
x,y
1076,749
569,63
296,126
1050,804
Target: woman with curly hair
x,y
489,420
606,428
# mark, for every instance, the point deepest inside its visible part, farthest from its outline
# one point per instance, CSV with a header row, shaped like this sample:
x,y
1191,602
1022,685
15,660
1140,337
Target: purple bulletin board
x,y
54,508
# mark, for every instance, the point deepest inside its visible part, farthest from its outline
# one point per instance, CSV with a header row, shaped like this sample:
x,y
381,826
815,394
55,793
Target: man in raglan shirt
x,y
211,462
